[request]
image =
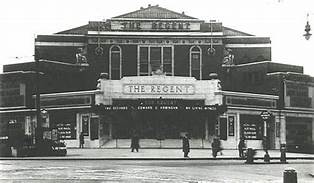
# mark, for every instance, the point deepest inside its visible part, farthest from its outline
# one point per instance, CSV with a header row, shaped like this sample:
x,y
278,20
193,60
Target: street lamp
x,y
81,64
307,29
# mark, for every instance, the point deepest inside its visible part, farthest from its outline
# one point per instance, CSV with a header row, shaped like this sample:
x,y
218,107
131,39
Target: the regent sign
x,y
163,89
154,25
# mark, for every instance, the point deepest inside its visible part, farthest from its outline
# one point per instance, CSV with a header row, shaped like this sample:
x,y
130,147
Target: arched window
x,y
115,62
196,62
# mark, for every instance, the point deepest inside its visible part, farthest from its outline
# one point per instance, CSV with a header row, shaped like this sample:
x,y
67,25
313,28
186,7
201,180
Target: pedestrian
x,y
265,144
185,145
219,146
241,147
135,142
214,147
81,140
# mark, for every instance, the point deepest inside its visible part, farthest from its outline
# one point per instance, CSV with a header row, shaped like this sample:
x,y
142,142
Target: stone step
x,y
153,143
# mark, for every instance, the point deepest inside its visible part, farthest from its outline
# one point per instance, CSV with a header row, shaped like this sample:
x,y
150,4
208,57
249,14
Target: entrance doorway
x,y
159,125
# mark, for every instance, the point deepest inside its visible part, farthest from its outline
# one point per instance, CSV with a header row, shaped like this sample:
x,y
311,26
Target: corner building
x,y
159,82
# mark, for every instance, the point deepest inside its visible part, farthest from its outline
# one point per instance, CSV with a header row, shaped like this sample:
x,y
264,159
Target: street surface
x,y
192,171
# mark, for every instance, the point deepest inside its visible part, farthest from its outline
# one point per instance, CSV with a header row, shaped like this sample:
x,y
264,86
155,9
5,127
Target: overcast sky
x,y
282,20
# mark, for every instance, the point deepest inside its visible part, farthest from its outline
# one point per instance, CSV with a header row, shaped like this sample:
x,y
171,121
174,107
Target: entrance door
x,y
158,124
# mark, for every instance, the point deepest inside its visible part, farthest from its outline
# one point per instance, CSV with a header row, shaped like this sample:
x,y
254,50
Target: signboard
x,y
248,101
249,131
231,125
159,25
65,101
265,115
223,128
66,131
160,89
94,124
85,125
252,131
157,107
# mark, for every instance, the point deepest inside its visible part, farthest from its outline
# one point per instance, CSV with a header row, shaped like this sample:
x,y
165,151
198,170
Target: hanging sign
x,y
265,115
231,125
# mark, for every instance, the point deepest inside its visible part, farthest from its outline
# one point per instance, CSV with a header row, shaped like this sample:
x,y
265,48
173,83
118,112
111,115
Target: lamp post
x,y
265,115
81,64
38,131
307,29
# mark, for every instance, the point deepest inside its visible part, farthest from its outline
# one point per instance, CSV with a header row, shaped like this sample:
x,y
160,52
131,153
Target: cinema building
x,y
160,74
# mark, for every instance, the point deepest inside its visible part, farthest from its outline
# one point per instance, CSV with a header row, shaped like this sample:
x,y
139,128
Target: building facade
x,y
159,82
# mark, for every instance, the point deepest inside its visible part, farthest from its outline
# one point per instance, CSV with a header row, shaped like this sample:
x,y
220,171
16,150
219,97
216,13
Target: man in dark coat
x,y
215,147
135,143
265,144
185,145
81,140
241,147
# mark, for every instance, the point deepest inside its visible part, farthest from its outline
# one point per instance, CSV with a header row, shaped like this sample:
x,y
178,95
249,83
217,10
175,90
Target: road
x,y
192,171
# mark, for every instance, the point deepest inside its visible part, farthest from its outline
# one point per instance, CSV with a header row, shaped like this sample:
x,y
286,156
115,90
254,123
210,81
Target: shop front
x,y
159,109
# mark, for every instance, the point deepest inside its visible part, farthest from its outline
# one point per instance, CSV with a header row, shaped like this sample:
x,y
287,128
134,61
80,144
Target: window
x,y
167,60
155,58
144,69
152,58
196,62
115,63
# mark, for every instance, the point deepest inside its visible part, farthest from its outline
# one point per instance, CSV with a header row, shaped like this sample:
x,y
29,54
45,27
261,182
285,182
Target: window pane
x,y
167,60
115,74
195,49
115,48
196,74
167,68
144,68
167,55
143,55
155,58
143,61
115,60
195,61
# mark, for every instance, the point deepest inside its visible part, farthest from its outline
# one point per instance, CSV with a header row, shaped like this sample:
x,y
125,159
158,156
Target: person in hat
x,y
135,142
185,145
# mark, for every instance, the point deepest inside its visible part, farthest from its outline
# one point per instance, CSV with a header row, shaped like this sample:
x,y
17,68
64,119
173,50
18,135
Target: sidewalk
x,y
158,154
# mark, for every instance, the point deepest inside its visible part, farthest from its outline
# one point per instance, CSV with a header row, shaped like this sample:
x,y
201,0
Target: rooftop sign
x,y
167,25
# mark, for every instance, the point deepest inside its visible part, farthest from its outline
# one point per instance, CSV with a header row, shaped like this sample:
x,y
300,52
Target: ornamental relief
x,y
155,41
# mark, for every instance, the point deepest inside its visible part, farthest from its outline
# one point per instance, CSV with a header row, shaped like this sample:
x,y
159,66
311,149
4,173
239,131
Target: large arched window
x,y
115,62
196,62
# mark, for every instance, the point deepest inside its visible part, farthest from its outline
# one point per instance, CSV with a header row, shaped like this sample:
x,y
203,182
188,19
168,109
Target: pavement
x,y
158,154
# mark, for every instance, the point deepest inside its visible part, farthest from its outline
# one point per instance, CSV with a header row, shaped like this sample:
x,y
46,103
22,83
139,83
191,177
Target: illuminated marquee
x,y
164,89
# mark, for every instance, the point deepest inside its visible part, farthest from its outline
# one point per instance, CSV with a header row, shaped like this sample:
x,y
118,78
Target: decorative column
x,y
110,130
206,129
312,129
265,128
282,129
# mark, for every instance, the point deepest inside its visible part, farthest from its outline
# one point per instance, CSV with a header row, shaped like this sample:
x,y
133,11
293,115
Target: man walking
x,y
135,143
81,140
241,147
185,146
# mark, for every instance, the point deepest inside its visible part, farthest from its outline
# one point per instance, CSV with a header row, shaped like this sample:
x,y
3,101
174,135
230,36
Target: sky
x,y
281,20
